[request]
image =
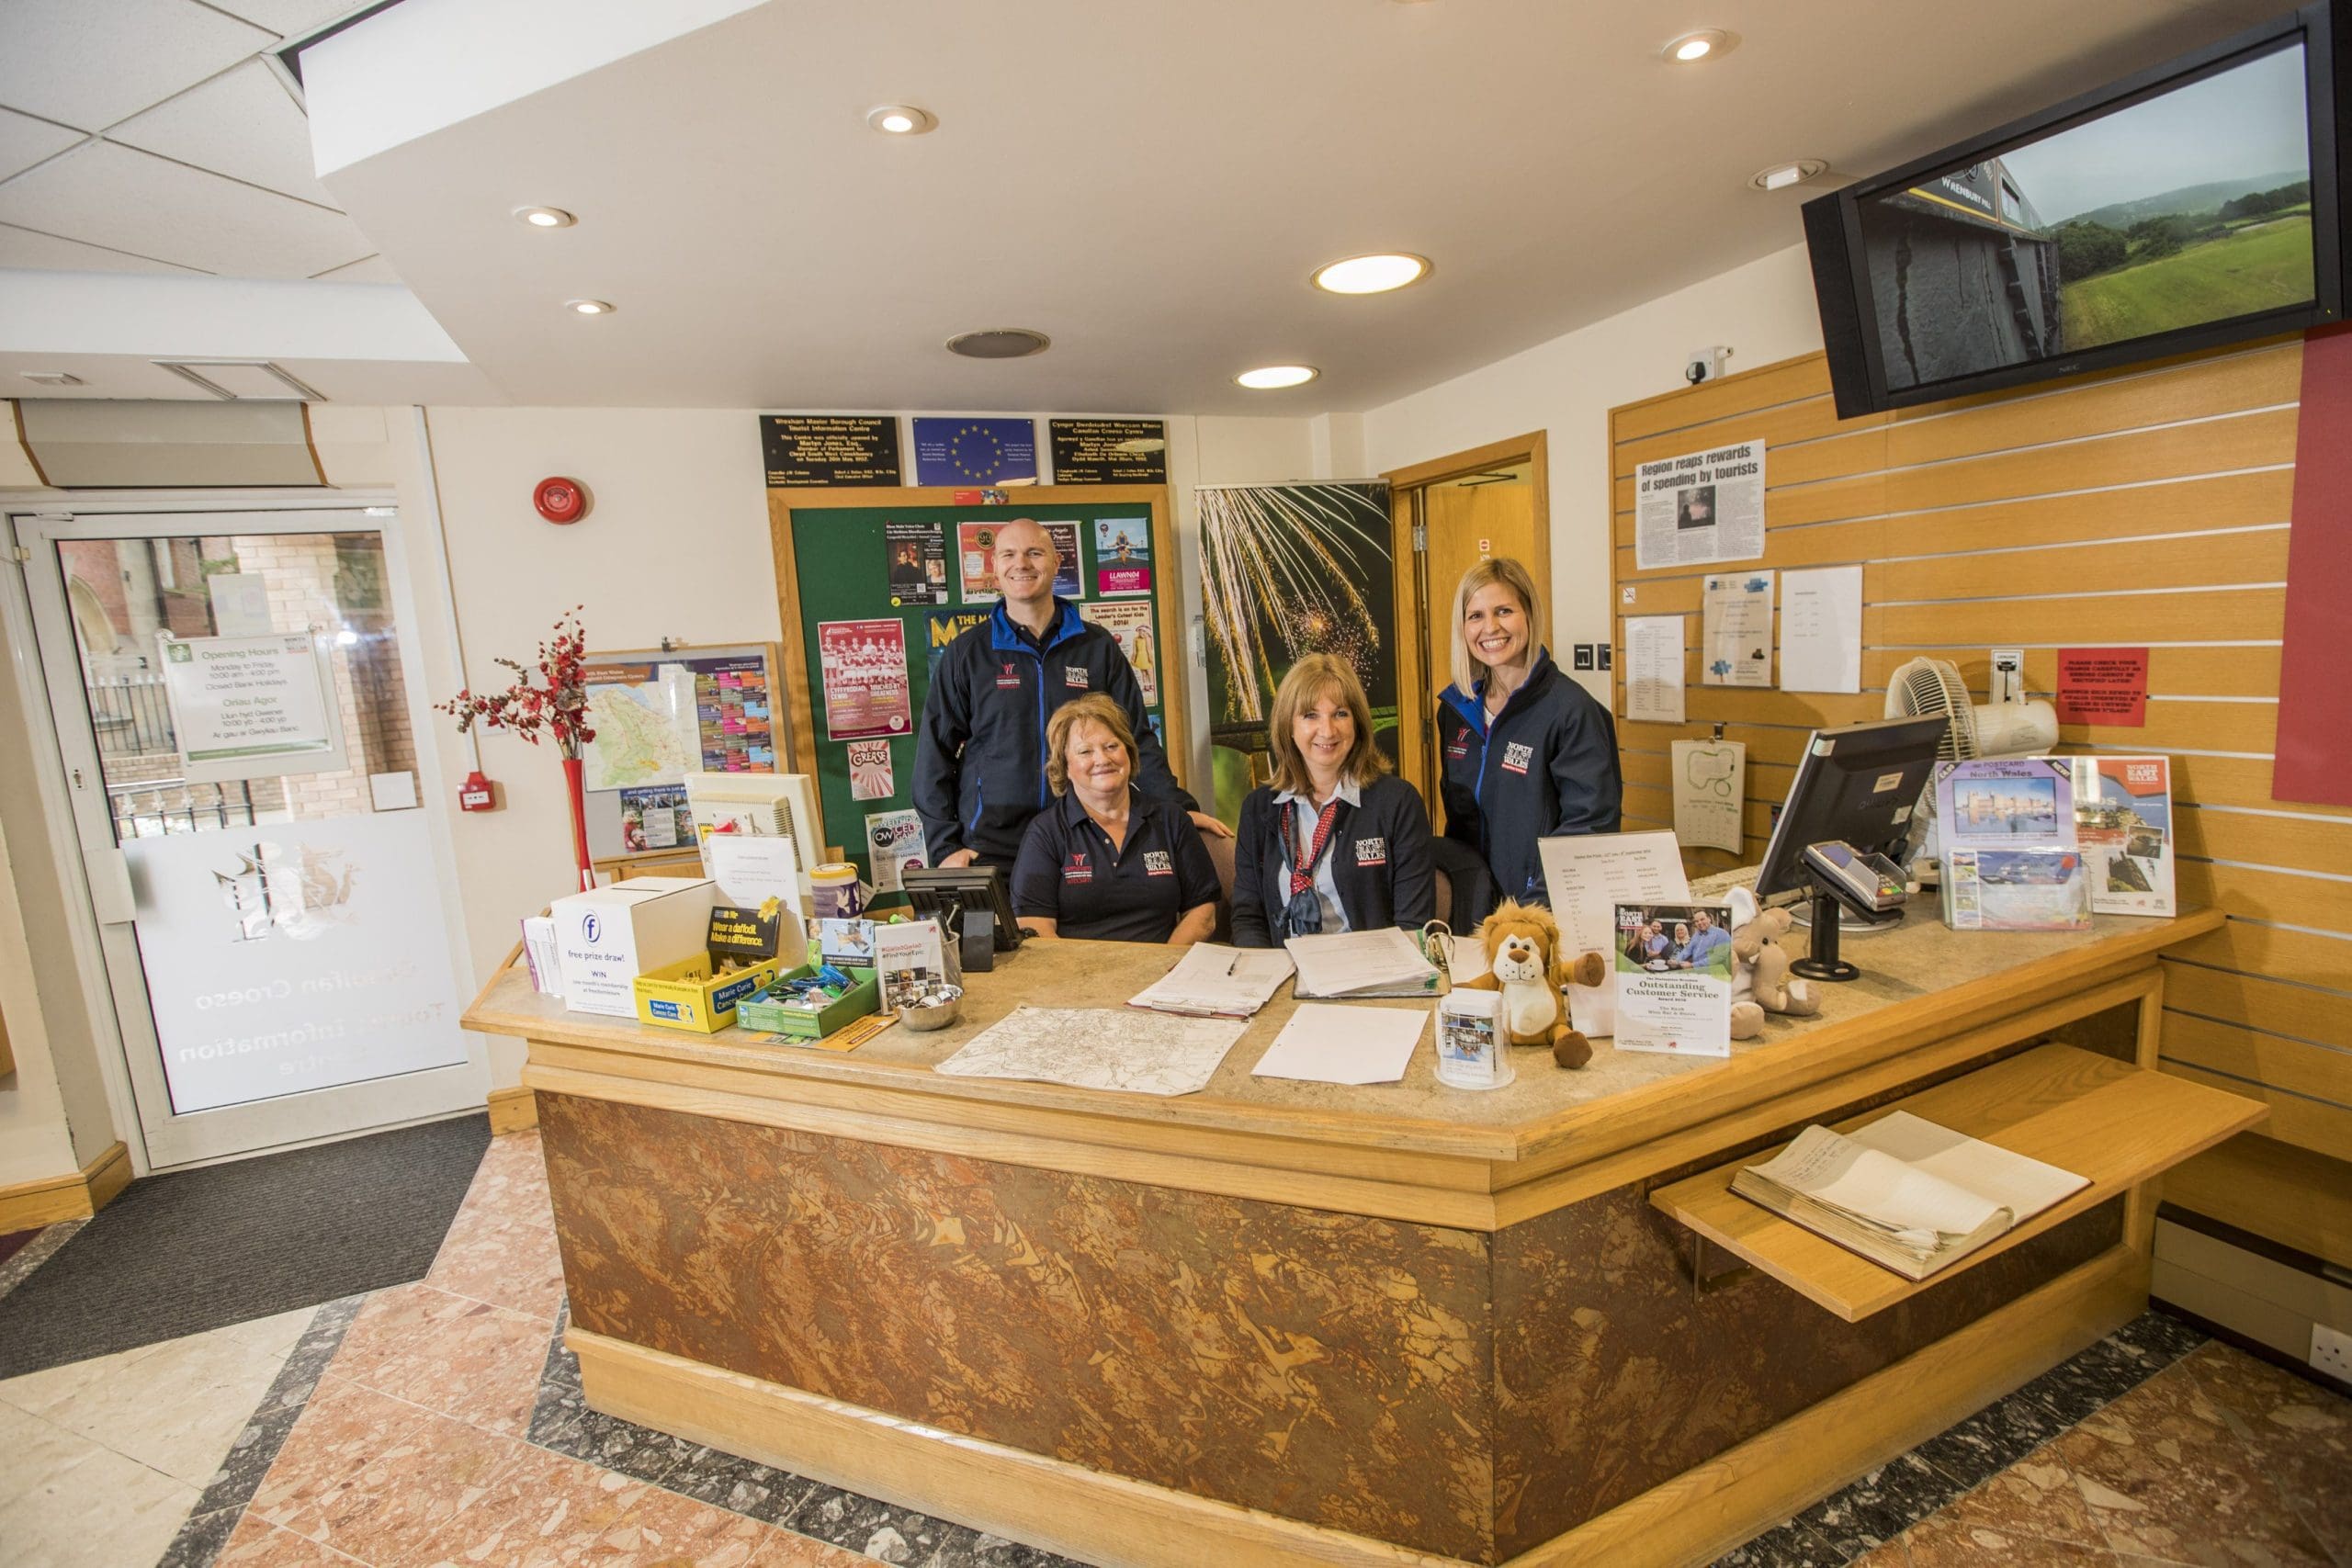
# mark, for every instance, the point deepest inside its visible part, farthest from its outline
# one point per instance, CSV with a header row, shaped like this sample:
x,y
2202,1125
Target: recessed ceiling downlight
x,y
1274,378
546,217
590,307
1705,44
999,343
1373,274
901,120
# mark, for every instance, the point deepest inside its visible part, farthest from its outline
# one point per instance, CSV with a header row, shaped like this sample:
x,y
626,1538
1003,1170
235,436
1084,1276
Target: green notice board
x,y
872,594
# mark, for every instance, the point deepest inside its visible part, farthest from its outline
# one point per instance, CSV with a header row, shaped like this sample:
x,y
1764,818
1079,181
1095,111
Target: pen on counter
x,y
1229,965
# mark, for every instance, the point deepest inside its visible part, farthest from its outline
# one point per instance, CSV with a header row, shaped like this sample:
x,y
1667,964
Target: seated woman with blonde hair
x,y
1335,844
1105,861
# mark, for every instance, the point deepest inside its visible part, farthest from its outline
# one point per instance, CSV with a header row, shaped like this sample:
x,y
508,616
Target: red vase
x,y
571,786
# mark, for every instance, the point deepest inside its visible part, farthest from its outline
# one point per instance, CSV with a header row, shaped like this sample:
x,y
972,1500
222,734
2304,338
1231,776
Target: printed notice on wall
x,y
894,841
2103,686
1735,639
865,679
1710,779
1821,629
251,708
1653,668
1702,506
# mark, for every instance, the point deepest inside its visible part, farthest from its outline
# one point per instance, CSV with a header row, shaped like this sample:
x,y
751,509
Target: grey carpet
x,y
201,1249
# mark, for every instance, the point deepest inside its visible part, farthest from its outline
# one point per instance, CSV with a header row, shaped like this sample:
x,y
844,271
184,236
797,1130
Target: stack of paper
x,y
1211,981
1340,1044
1382,963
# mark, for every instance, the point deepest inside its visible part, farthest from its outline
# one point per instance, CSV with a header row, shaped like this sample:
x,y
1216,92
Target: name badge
x,y
1371,851
1516,756
1074,676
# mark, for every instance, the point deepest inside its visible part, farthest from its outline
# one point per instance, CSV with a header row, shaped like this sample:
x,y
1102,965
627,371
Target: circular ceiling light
x,y
901,120
1274,378
1781,176
1704,44
590,307
546,217
1373,274
999,343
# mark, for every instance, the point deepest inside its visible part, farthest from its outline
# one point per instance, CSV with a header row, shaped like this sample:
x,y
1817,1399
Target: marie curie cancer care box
x,y
605,939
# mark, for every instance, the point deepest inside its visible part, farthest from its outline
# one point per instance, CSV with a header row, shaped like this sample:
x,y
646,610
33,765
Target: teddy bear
x,y
1760,981
1524,962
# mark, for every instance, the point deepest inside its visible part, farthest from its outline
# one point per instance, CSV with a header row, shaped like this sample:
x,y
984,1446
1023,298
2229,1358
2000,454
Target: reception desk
x,y
1279,1322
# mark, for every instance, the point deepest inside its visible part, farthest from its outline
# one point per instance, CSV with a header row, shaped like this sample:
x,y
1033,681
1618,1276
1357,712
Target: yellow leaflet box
x,y
686,994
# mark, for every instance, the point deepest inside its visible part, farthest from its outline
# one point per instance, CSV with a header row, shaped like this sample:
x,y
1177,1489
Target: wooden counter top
x,y
1416,1149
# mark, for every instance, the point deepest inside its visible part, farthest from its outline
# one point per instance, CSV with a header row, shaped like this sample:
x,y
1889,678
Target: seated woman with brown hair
x,y
1335,844
1105,861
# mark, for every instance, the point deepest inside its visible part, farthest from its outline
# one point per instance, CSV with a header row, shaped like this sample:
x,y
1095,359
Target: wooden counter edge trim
x,y
1125,1523
955,1095
1095,1517
1715,1505
1265,1184
1269,1149
1621,1121
1700,1137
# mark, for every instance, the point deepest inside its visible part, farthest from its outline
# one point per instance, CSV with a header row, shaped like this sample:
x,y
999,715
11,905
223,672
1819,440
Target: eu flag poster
x,y
975,451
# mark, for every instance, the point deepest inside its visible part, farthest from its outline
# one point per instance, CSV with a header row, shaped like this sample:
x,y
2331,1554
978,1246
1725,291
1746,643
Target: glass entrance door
x,y
240,731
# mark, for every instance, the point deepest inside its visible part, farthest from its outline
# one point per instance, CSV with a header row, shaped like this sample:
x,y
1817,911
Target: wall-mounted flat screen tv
x,y
2192,204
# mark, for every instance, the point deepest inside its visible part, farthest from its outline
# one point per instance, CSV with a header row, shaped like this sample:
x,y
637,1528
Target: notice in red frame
x,y
2103,687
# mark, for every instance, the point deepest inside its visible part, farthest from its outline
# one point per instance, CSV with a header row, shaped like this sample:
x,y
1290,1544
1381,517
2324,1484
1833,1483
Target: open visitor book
x,y
1903,1192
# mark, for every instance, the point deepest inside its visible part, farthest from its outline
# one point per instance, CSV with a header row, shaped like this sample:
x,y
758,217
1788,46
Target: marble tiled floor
x,y
441,1422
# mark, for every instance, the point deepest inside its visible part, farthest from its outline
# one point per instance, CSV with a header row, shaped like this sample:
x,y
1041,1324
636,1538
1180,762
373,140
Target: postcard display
x,y
883,591
2011,862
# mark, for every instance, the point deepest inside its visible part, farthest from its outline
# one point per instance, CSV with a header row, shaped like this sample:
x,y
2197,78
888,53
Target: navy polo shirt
x,y
1068,873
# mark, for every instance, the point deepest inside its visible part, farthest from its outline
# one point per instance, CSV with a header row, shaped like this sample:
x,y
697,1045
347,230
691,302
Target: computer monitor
x,y
946,892
1858,782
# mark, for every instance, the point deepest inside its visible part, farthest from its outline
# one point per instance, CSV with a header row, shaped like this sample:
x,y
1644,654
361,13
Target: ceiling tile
x,y
132,201
242,124
25,141
88,64
368,269
47,253
287,18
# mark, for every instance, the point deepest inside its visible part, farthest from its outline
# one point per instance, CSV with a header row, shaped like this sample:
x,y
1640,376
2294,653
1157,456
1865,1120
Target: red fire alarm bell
x,y
561,500
477,794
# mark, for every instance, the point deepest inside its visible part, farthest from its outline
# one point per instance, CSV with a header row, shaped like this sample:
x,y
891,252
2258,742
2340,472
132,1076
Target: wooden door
x,y
1468,522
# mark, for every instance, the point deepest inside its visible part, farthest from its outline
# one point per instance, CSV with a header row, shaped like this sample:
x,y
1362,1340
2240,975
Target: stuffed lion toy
x,y
1524,962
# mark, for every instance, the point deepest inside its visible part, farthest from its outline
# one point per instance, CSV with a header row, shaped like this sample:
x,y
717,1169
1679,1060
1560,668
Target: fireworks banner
x,y
1287,570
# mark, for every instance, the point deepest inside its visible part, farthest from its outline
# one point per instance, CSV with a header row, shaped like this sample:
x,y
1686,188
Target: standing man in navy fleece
x,y
980,756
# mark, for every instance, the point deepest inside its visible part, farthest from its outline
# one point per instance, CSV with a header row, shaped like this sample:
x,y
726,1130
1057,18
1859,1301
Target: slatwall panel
x,y
2146,507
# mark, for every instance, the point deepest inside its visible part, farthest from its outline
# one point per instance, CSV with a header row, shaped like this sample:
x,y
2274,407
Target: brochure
x,y
1674,978
908,959
2005,803
2037,889
2123,823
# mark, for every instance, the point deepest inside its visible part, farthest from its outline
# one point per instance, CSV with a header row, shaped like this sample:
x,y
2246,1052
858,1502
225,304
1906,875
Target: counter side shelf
x,y
2114,1122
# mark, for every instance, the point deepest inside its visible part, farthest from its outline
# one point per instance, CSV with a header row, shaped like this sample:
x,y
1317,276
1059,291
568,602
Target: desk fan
x,y
1929,688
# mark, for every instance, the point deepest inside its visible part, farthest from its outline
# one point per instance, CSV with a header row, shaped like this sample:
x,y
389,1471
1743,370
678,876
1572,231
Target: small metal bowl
x,y
940,1015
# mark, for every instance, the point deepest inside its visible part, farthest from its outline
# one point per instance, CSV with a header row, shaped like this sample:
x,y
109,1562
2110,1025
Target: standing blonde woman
x,y
1527,751
1335,844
